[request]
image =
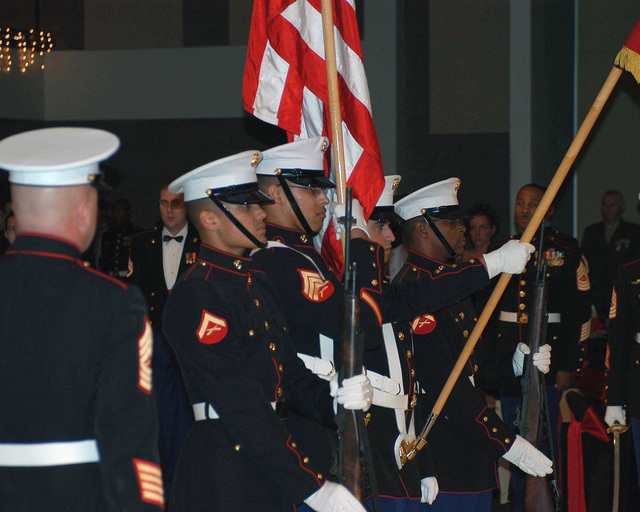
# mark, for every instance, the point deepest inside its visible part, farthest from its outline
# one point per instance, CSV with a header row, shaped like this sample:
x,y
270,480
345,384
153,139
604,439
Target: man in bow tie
x,y
157,258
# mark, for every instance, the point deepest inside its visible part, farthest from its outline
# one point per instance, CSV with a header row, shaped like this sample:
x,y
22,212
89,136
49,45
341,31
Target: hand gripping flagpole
x,y
628,59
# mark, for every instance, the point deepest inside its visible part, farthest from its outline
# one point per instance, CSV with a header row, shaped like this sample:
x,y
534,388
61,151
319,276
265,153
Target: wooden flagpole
x,y
352,470
335,117
534,223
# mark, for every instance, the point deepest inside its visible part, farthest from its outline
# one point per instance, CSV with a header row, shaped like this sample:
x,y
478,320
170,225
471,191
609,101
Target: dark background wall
x,y
155,151
165,76
480,160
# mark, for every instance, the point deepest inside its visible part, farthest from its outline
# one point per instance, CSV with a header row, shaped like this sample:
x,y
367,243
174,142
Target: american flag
x,y
285,84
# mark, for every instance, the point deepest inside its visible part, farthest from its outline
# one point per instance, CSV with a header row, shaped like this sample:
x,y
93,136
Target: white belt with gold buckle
x,y
507,316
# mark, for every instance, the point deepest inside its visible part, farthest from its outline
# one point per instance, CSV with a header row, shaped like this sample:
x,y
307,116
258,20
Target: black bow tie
x,y
168,238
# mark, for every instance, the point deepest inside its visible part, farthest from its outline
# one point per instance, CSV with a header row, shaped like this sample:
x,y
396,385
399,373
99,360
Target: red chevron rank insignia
x,y
314,287
145,354
212,329
149,481
582,277
613,310
423,324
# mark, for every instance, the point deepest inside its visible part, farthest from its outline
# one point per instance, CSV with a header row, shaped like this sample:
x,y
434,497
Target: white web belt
x,y
60,453
506,316
204,411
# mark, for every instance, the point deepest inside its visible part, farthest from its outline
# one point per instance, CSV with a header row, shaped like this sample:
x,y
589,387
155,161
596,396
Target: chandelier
x,y
31,45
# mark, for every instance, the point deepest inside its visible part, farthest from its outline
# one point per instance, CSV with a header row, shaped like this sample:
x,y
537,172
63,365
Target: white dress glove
x,y
355,393
541,359
339,209
530,460
332,497
614,413
511,258
429,488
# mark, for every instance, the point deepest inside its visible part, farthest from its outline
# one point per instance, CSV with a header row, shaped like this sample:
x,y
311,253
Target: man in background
x,y
568,320
116,241
156,259
607,245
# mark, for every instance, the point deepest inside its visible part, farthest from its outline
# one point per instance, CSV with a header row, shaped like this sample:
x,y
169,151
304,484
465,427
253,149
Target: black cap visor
x,y
385,214
248,193
308,178
447,212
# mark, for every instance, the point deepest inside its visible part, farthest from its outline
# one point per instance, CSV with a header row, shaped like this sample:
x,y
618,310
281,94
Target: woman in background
x,y
483,225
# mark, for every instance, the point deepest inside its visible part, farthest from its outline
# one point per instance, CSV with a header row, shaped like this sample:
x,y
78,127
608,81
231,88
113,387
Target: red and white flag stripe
x,y
285,84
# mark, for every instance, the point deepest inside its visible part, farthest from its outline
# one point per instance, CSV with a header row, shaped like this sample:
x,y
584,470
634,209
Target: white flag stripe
x,y
311,124
305,18
353,150
273,74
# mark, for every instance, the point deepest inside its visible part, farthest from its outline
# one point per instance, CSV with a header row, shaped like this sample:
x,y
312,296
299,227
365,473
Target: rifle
x,y
537,493
350,347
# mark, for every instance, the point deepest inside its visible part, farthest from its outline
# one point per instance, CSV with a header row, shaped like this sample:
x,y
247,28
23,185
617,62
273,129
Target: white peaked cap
x,y
391,183
57,157
438,195
305,154
226,172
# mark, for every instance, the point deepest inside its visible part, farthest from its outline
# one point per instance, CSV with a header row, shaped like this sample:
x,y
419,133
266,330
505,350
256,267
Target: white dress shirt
x,y
171,254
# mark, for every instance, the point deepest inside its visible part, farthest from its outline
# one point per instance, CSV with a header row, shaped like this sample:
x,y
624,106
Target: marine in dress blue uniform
x,y
116,241
234,351
607,245
310,293
80,426
623,344
468,438
146,268
568,323
389,366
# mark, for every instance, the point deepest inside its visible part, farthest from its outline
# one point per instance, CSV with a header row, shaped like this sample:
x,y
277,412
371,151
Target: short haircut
x,y
408,229
613,193
533,185
199,205
264,182
484,209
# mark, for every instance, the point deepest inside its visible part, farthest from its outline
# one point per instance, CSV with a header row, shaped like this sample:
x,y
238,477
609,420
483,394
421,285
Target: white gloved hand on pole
x,y
541,359
332,497
338,210
614,413
429,487
355,393
530,460
511,258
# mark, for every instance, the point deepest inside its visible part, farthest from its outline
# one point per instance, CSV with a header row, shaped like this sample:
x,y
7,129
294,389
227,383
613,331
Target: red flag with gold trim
x,y
629,57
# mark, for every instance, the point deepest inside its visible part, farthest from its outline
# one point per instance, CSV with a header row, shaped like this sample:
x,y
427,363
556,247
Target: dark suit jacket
x,y
623,377
145,268
605,258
